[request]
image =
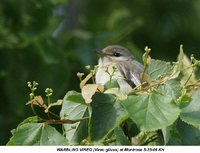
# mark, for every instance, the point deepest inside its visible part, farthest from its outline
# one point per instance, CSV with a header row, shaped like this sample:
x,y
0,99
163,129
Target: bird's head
x,y
115,53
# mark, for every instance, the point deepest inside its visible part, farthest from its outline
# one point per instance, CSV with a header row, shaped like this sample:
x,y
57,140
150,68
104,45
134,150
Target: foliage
x,y
159,112
51,40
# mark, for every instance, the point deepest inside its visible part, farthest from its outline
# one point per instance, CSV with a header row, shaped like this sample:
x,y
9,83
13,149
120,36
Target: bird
x,y
127,72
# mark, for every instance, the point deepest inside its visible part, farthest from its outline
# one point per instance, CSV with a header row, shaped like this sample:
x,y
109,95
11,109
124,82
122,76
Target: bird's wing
x,y
135,79
131,70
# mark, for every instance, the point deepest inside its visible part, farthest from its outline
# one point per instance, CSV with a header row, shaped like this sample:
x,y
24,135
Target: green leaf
x,y
171,88
191,112
131,128
186,68
183,134
151,111
158,68
32,119
74,97
189,134
36,134
74,107
107,113
184,98
121,138
112,84
171,135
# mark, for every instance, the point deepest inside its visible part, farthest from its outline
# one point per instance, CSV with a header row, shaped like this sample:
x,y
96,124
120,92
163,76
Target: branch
x,y
64,121
157,83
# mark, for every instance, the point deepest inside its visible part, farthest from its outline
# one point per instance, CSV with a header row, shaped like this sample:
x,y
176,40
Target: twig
x,y
196,84
64,121
150,139
156,84
43,106
189,77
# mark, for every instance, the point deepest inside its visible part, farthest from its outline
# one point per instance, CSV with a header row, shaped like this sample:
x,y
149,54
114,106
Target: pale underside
x,y
125,75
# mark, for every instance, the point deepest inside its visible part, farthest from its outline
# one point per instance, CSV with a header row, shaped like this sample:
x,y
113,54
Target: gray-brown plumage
x,y
128,69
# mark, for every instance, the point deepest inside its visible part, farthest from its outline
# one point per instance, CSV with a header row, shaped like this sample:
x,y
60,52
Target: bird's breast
x,y
105,73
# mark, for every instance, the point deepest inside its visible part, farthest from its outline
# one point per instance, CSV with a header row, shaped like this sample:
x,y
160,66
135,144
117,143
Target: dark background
x,y
49,41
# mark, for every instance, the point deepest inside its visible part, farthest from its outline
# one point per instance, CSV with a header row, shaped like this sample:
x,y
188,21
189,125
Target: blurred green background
x,y
49,41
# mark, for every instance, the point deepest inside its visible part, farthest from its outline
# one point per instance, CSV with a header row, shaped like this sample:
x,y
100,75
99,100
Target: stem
x,y
48,100
34,112
63,131
149,140
196,84
111,76
64,121
156,84
160,137
93,80
189,77
49,115
44,106
106,142
84,81
186,68
110,81
145,68
50,112
162,81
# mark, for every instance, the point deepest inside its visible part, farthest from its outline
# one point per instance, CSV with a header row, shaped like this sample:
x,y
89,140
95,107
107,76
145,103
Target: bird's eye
x,y
116,54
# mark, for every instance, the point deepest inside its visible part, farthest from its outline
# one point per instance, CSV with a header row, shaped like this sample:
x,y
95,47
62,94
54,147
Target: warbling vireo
x,y
127,69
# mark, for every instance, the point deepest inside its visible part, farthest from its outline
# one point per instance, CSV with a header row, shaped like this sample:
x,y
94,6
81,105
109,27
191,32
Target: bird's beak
x,y
99,52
